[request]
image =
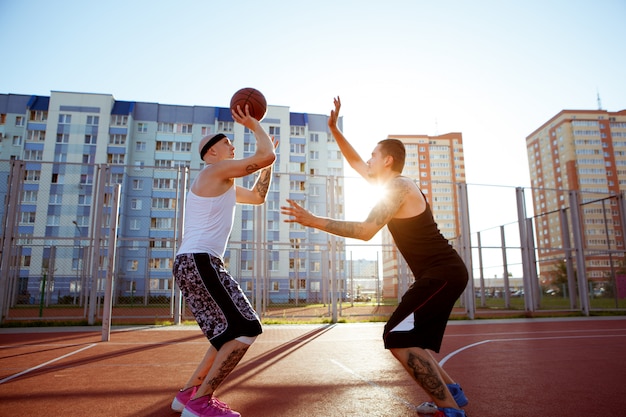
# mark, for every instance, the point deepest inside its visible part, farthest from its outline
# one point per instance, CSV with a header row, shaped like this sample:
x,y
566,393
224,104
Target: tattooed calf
x,y
426,376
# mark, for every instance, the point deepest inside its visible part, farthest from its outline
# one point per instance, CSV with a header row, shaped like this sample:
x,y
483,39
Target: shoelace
x,y
219,404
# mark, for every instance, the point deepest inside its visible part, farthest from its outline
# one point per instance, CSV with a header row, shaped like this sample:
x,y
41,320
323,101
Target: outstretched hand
x,y
334,114
244,118
298,214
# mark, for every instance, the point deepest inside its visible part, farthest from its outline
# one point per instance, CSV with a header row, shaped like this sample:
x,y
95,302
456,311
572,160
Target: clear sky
x,y
494,70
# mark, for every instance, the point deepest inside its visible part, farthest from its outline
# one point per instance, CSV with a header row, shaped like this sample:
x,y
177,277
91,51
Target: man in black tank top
x,y
418,323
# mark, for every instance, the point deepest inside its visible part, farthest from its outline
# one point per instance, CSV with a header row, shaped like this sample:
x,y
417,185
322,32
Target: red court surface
x,y
508,368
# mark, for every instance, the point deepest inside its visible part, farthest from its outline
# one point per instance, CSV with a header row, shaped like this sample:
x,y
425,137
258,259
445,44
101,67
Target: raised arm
x,y
258,193
263,157
351,155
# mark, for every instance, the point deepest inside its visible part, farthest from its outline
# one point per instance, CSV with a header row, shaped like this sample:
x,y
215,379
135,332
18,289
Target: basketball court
x,y
508,368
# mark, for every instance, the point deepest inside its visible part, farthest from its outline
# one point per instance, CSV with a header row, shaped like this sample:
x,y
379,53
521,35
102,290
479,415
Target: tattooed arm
x,y
380,215
258,193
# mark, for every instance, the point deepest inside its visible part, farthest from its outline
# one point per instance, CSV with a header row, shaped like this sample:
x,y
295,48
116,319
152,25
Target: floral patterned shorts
x,y
216,300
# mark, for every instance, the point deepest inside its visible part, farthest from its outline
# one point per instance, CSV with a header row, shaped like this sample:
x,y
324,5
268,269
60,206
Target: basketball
x,y
253,98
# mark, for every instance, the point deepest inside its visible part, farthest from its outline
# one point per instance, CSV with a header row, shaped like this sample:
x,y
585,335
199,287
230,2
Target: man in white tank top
x,y
219,305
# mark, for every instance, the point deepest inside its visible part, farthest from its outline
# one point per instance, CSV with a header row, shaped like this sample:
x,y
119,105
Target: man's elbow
x,y
366,235
267,160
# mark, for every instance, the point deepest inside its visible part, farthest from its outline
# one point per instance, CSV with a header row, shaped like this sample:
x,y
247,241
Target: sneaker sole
x,y
177,406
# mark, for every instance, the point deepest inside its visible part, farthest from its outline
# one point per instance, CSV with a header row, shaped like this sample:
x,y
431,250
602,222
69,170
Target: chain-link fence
x,y
64,239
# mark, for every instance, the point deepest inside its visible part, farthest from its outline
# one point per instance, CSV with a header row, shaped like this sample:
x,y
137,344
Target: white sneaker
x,y
427,408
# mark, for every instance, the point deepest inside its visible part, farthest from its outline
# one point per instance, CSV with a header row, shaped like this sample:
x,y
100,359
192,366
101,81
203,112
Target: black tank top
x,y
421,243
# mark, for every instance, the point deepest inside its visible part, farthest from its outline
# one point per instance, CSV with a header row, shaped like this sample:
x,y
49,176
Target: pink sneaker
x,y
182,398
208,406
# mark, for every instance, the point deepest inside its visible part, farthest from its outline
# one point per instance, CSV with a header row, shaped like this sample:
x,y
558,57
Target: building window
x,y
274,130
161,223
132,265
27,218
29,196
31,175
32,155
182,147
134,224
142,127
86,179
163,145
84,200
225,126
165,127
135,204
297,130
162,184
117,139
55,199
140,146
115,158
119,120
60,157
91,139
163,203
37,135
184,128
38,115
163,163
19,121
297,148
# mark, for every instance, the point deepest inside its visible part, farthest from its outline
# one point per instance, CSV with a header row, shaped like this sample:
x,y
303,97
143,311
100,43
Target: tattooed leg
x,y
427,376
226,360
426,372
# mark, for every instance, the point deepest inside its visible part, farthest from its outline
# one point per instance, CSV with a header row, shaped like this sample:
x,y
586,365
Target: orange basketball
x,y
253,98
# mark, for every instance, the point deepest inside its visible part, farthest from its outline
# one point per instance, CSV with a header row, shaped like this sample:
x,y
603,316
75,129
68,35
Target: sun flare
x,y
360,200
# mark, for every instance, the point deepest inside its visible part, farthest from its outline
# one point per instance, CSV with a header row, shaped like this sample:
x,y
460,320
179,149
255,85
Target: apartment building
x,y
585,151
75,147
436,163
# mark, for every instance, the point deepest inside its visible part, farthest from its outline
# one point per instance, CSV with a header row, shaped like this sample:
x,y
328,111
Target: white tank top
x,y
208,223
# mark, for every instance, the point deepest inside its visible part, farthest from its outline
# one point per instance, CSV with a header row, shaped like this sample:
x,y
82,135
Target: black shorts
x,y
220,307
421,317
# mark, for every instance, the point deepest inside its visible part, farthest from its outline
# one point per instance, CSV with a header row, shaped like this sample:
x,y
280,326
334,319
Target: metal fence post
x,y
569,267
333,253
465,249
529,294
8,236
96,242
579,250
505,272
108,294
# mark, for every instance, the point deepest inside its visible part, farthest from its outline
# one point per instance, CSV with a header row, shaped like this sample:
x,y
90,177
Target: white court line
x,y
450,355
373,384
2,381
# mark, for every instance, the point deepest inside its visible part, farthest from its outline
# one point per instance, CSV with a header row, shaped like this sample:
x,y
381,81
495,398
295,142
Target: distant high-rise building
x,y
436,163
585,151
